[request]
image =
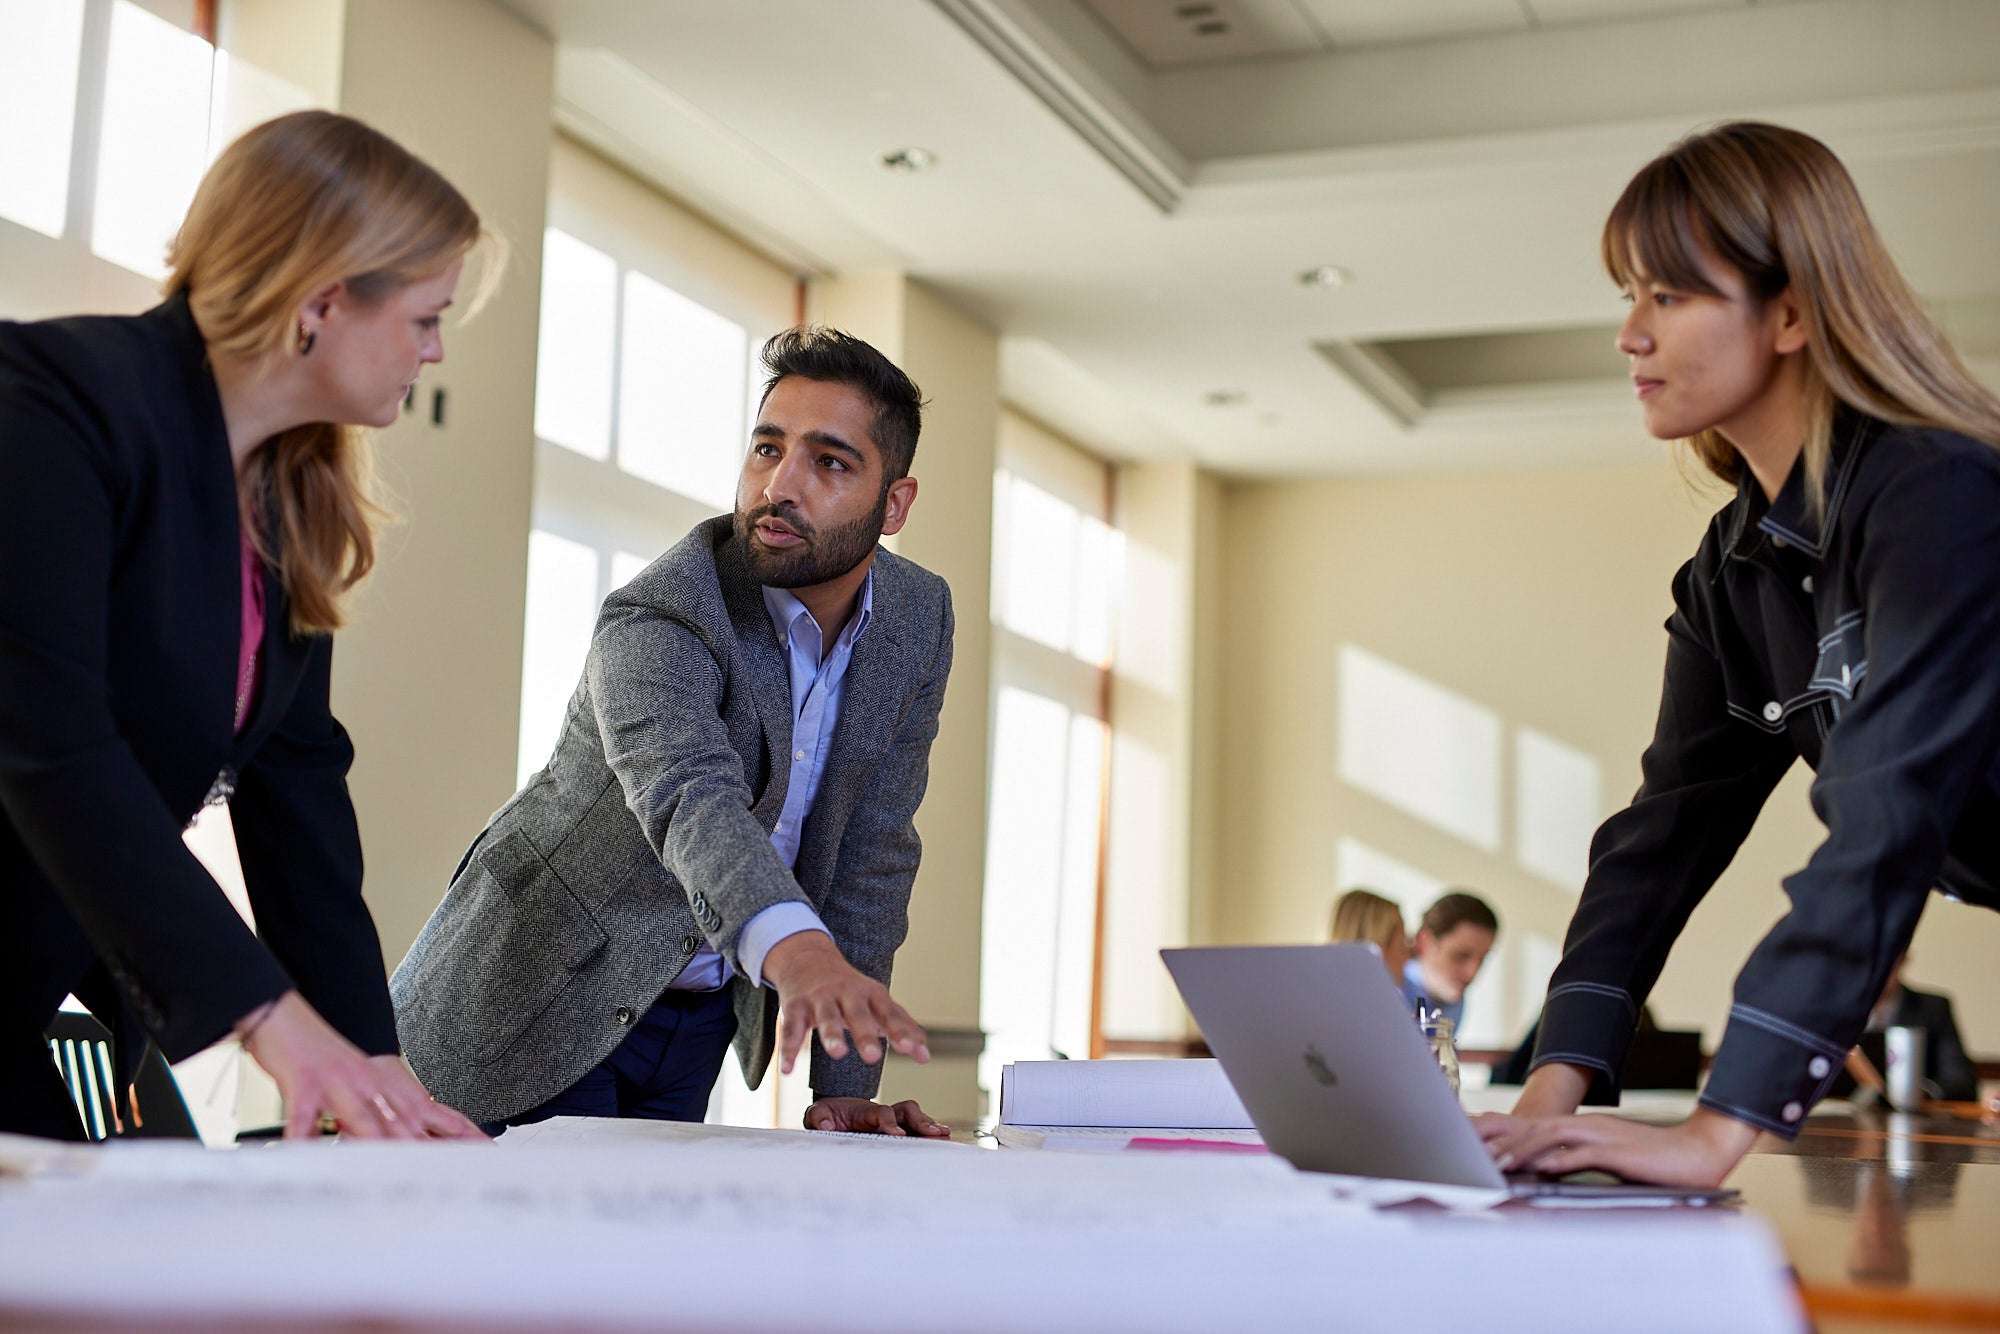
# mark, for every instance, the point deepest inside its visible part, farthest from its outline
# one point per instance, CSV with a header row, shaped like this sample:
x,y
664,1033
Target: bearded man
x,y
729,812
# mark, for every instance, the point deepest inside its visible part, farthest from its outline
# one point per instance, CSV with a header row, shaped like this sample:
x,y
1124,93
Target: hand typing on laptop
x,y
1545,1135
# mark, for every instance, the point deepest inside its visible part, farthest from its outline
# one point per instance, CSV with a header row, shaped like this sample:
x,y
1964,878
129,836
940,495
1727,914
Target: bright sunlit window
x,y
1356,865
243,96
1058,572
625,567
681,393
562,609
574,355
1057,569
38,74
1041,882
155,142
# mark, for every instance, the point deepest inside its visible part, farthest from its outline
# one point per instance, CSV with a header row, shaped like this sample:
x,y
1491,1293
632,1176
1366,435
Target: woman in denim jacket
x,y
1843,609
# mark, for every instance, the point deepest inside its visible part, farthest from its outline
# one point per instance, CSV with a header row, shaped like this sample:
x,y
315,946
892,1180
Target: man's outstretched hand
x,y
819,991
905,1118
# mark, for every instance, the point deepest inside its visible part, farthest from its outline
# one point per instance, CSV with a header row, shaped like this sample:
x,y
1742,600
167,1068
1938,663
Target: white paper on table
x,y
569,1230
599,1129
1165,1094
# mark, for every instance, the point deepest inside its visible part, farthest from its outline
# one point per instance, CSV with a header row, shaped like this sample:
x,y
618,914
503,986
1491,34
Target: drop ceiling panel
x,y
1508,357
1168,33
1382,22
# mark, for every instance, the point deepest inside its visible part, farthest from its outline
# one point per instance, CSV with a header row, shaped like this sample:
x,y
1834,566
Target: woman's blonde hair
x,y
1779,208
295,205
1359,915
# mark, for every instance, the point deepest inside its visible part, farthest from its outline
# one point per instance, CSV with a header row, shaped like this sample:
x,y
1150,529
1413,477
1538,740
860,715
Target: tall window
x,y
645,385
1057,565
648,386
152,104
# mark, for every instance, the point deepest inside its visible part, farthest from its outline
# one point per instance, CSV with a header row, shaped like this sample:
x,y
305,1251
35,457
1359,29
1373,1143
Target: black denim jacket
x,y
1869,645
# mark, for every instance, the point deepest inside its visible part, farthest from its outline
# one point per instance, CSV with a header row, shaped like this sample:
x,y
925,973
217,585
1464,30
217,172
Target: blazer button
x,y
624,1016
1773,711
1818,1067
688,943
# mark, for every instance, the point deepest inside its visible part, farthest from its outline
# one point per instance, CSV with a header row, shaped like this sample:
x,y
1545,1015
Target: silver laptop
x,y
1336,1075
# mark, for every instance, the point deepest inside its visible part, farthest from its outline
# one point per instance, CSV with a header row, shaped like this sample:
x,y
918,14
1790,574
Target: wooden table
x,y
1892,1221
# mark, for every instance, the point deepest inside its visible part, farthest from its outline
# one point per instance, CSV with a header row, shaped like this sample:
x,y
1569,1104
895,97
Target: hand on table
x,y
905,1118
320,1073
818,990
1699,1151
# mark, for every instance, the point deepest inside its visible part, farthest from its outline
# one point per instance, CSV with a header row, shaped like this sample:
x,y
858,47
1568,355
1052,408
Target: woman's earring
x,y
306,339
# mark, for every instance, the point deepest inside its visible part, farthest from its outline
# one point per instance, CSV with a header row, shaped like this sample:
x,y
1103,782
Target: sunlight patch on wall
x,y
1558,802
1359,866
1426,750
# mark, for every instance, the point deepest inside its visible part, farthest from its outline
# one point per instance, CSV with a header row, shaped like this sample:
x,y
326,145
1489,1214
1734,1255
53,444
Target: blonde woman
x,y
183,503
1843,609
1359,915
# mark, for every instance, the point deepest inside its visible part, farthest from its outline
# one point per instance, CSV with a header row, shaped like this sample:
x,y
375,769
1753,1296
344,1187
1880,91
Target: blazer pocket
x,y
528,937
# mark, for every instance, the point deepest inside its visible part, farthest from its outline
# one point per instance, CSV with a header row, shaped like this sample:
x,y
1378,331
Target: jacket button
x,y
1773,711
1818,1067
624,1016
688,943
1780,543
1806,583
1793,1111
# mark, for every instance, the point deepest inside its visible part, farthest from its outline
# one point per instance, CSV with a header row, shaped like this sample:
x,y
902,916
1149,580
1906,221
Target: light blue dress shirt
x,y
1413,991
816,680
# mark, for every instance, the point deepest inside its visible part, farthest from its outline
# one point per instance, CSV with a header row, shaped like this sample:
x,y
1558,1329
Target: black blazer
x,y
120,614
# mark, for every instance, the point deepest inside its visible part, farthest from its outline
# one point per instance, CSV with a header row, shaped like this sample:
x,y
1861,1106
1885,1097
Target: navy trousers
x,y
663,1070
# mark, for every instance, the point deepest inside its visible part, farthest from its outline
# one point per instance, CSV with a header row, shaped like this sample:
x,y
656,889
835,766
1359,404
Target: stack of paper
x,y
1104,1104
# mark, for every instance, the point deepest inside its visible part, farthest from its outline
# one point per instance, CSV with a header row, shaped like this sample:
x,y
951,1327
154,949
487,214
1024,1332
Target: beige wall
x,y
1539,594
956,362
428,678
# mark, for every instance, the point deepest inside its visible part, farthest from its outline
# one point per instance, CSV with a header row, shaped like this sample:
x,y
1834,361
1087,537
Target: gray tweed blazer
x,y
648,835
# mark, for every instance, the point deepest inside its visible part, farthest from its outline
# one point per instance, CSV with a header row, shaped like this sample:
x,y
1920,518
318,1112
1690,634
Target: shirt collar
x,y
1790,518
785,609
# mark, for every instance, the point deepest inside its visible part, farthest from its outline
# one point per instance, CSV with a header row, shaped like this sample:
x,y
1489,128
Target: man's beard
x,y
822,556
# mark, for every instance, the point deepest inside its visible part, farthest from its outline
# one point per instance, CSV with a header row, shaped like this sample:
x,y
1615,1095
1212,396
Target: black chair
x,y
1659,1058
82,1050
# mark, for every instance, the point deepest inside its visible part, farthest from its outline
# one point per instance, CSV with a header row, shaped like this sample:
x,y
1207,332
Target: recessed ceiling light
x,y
1225,398
1326,275
911,160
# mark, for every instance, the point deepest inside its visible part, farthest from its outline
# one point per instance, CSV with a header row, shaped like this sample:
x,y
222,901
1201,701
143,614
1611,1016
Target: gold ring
x,y
328,1124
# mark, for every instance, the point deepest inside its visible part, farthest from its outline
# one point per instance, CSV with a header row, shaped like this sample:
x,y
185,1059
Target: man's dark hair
x,y
1456,909
815,352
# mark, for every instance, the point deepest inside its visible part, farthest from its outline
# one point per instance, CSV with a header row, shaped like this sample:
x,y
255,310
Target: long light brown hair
x,y
1779,208
1360,915
295,205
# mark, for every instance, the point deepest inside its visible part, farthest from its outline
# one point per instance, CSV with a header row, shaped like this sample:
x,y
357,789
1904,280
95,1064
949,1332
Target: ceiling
x,y
1164,33
1132,211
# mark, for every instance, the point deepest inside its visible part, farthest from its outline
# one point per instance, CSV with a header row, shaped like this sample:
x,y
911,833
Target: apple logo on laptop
x,y
1317,1067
